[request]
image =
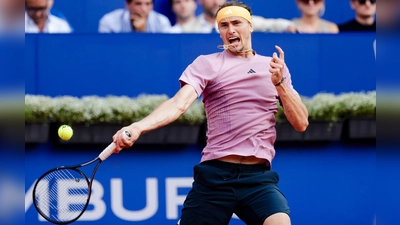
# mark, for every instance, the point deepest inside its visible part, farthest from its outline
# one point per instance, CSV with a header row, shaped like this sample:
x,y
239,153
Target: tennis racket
x,y
61,195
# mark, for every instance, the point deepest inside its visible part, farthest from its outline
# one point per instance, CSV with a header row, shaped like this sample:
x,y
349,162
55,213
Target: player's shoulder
x,y
210,57
263,57
208,60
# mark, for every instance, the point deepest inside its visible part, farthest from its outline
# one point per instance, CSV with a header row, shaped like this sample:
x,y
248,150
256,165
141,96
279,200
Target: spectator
x,y
205,22
365,16
39,20
311,21
185,12
138,16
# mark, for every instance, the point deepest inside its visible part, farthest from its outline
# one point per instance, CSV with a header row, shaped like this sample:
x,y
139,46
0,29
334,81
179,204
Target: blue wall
x,y
84,15
130,64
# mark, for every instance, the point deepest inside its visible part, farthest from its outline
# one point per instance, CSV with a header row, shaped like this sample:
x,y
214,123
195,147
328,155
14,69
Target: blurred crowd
x,y
140,16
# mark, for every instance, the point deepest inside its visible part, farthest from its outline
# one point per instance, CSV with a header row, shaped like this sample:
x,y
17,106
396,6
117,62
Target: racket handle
x,y
107,152
110,148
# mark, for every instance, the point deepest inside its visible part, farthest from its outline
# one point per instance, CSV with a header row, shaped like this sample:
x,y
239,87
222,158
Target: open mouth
x,y
234,40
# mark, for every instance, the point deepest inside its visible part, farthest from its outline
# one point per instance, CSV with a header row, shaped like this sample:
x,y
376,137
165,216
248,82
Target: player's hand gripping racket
x,y
61,195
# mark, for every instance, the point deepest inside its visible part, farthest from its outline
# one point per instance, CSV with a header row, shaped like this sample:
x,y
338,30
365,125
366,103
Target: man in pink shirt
x,y
240,91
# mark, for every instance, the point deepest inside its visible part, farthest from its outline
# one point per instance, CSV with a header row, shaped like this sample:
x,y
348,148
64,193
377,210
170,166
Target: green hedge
x,y
123,109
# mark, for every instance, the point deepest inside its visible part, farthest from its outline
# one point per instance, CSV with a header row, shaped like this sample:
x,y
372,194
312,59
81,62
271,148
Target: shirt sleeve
x,y
198,74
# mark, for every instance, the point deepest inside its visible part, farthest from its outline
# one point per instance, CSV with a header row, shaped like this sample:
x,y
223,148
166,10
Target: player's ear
x,y
251,27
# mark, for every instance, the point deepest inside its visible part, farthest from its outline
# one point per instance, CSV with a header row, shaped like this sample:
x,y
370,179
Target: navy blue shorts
x,y
221,189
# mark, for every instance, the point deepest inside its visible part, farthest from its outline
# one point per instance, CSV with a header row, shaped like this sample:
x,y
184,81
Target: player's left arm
x,y
294,109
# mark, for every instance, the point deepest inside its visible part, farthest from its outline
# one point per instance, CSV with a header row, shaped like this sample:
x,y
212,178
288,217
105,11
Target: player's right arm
x,y
166,113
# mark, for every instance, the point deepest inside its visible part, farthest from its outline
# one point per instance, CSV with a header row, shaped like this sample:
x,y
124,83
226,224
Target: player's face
x,y
184,8
236,31
365,8
140,7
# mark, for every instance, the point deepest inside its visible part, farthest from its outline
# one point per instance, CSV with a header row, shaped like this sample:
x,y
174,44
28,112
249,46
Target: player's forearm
x,y
294,109
166,113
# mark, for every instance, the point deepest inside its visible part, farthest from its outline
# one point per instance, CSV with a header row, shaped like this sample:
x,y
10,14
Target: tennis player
x,y
240,91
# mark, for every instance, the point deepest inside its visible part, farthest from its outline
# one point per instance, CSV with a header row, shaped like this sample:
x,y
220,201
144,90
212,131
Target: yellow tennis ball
x,y
65,132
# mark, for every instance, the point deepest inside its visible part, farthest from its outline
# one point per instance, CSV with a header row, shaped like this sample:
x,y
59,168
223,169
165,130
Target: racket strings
x,y
62,194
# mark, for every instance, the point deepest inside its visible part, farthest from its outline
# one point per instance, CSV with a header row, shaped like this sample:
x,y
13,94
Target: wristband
x,y
280,82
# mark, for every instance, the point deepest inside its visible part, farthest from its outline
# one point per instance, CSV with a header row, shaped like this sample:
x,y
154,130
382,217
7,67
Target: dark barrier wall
x,y
130,64
84,15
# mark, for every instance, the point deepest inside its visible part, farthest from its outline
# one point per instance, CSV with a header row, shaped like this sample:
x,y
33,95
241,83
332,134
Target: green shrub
x,y
95,109
327,106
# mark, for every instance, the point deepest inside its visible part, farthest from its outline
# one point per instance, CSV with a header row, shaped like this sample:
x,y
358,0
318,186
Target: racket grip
x,y
110,148
107,151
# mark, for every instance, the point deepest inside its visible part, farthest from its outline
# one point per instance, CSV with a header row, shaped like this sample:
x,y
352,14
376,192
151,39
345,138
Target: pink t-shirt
x,y
240,102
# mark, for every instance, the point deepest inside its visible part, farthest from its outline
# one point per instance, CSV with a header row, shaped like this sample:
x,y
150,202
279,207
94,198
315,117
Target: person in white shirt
x,y
185,12
38,19
138,16
206,23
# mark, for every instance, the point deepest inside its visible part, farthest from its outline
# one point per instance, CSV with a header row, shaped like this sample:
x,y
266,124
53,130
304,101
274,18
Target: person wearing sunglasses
x,y
39,20
364,16
310,20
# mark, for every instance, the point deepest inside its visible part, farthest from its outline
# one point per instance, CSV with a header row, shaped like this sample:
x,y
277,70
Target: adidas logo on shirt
x,y
251,71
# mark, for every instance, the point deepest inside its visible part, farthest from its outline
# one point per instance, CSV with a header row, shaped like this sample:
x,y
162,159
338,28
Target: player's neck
x,y
244,53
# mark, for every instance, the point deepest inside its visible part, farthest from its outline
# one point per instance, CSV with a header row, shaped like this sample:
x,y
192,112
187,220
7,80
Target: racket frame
x,y
100,158
89,183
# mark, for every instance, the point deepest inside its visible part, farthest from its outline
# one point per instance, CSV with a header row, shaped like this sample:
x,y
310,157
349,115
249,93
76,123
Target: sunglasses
x,y
362,2
315,1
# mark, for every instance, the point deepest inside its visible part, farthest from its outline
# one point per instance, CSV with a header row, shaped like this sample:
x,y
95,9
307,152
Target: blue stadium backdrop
x,y
84,16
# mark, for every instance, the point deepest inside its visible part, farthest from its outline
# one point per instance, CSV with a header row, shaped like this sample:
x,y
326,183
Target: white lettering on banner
x,y
65,198
96,199
130,215
173,200
98,211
